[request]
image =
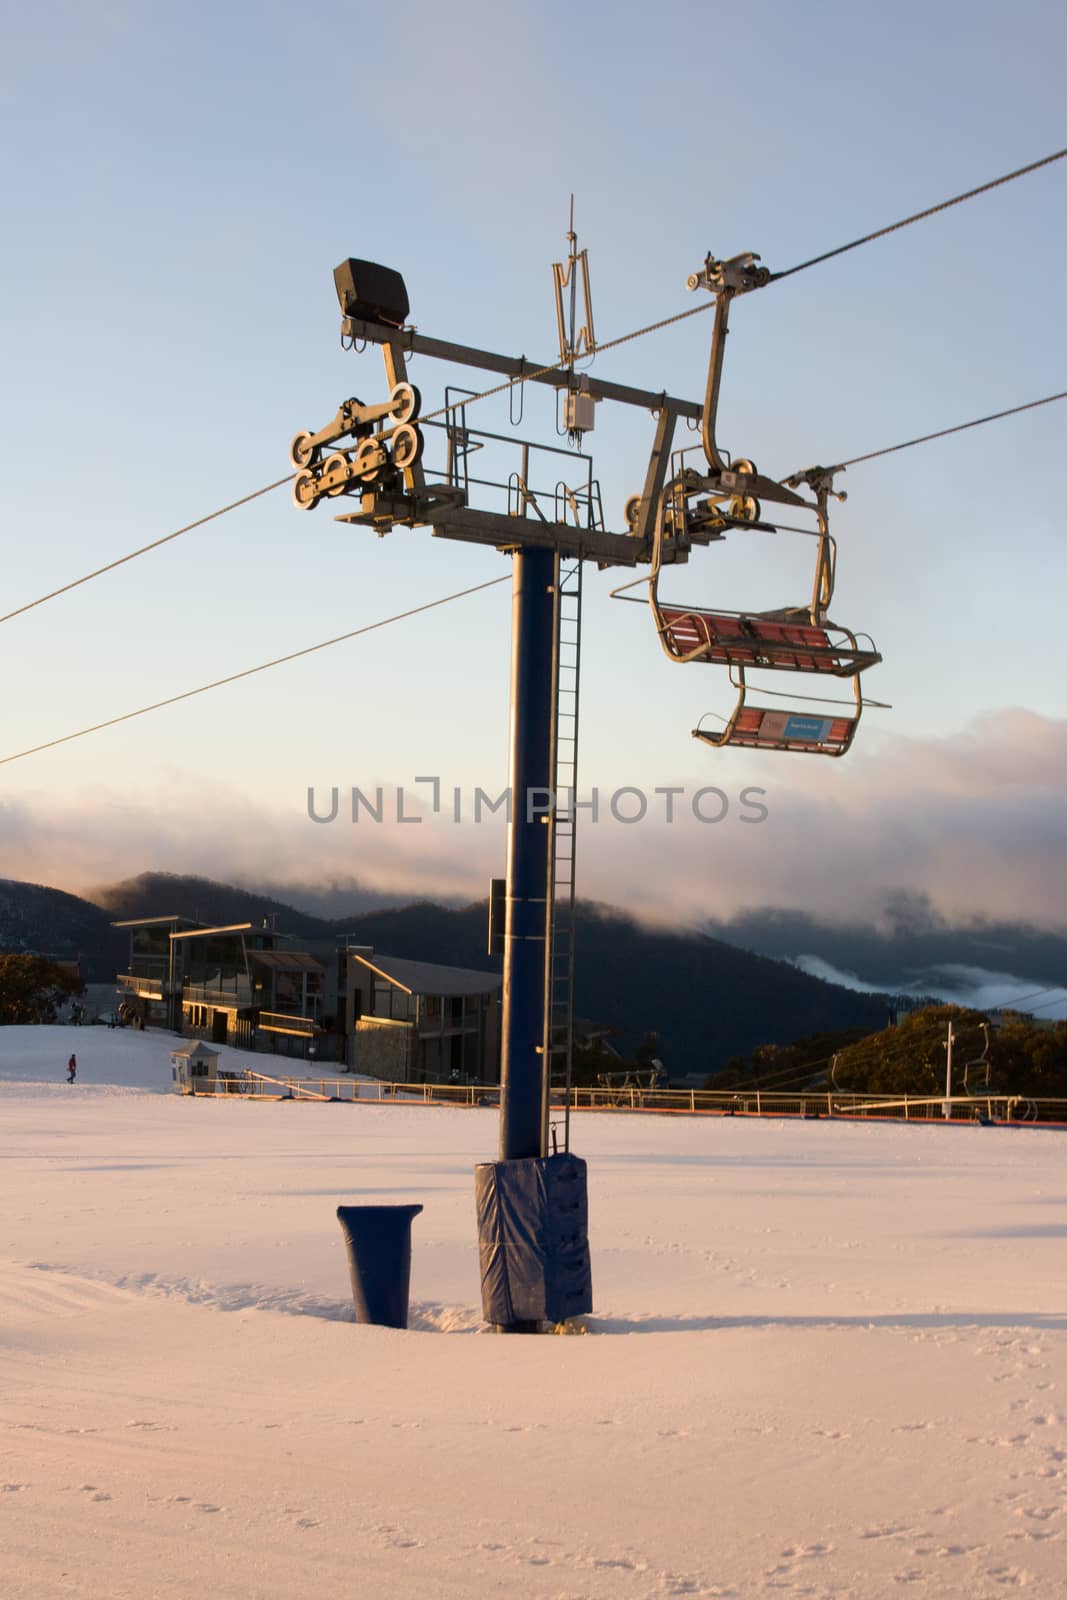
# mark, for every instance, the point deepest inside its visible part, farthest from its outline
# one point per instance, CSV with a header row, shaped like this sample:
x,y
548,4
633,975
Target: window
x,y
403,1006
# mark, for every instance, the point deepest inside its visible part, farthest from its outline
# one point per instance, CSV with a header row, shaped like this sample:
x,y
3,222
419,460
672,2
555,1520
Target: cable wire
x,y
611,344
249,672
1057,1001
144,549
499,388
680,316
1058,989
931,211
693,311
961,427
556,366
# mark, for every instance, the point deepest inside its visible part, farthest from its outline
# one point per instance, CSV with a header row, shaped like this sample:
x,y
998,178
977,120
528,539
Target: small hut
x,y
193,1068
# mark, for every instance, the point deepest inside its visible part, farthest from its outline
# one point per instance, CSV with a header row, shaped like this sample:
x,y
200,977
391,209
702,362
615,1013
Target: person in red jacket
x,y
72,1068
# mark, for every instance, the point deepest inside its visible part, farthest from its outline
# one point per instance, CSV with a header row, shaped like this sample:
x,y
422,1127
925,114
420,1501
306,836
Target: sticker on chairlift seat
x,y
795,727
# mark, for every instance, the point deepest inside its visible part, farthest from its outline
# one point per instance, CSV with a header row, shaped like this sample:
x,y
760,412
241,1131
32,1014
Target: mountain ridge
x,y
706,999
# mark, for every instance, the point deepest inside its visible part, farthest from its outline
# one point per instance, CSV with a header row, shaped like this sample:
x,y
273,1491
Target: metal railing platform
x,y
999,1109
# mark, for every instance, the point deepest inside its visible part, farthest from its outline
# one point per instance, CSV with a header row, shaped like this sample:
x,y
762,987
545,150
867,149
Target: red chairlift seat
x,y
820,731
771,641
759,728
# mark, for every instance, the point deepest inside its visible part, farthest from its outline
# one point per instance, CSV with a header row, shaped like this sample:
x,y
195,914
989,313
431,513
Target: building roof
x,y
425,977
148,922
229,927
286,960
197,1048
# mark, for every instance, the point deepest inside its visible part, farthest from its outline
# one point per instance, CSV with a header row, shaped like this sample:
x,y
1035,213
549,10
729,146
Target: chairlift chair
x,y
755,727
793,639
798,639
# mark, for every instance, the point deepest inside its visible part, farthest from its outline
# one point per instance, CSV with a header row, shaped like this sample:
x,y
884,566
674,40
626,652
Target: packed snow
x,y
827,1358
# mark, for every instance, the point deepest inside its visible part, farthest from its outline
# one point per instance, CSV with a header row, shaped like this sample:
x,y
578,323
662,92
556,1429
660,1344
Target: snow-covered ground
x,y
827,1359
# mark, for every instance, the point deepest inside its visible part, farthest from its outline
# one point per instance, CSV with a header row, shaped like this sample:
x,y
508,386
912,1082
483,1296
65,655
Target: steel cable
x,y
249,672
611,344
919,216
144,549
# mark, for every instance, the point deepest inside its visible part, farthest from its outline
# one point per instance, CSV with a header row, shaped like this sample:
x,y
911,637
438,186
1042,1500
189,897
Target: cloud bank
x,y
976,822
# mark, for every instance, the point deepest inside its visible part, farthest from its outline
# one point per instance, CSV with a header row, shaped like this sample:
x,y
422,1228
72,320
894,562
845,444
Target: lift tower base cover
x,y
533,1238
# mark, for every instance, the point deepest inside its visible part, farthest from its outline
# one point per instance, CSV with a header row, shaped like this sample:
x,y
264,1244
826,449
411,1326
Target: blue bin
x,y
378,1241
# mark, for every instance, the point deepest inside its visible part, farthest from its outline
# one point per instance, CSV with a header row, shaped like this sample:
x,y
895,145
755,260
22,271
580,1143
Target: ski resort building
x,y
417,1022
330,1003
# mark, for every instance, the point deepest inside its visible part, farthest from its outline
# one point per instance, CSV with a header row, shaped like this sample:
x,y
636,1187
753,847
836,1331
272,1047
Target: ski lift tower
x,y
532,1202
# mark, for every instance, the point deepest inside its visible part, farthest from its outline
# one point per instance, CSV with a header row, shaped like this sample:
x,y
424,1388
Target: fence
x,y
993,1108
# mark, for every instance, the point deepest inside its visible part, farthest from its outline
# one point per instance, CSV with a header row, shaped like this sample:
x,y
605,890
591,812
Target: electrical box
x,y
579,412
498,899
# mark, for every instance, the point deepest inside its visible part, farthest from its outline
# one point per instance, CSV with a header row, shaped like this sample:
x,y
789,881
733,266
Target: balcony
x,y
280,1022
144,988
206,994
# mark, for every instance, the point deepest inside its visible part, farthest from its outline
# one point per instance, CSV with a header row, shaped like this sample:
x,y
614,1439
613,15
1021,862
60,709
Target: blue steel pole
x,y
525,926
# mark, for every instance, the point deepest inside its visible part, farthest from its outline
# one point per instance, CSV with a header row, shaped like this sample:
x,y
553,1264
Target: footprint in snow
x,y
1010,1577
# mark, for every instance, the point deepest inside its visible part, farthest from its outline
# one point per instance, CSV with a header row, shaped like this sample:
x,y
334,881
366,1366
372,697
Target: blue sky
x,y
178,188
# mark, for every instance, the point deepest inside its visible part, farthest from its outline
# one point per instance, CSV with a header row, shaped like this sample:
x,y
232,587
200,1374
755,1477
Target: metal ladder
x,y
558,1030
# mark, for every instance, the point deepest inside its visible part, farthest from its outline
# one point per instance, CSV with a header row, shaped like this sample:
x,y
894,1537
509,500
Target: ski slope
x,y
827,1359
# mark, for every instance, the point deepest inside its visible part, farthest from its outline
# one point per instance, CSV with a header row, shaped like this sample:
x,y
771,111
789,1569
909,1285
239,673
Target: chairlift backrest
x,y
734,639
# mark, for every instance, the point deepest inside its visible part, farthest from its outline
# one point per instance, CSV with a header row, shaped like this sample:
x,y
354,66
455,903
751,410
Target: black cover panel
x,y
371,293
533,1237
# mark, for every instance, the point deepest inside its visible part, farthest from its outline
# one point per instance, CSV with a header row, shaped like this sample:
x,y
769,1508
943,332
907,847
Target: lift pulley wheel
x,y
405,402
306,491
631,512
303,451
407,442
369,459
745,507
335,474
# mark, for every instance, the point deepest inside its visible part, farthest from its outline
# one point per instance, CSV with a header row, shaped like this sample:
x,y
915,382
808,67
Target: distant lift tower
x,y
532,1201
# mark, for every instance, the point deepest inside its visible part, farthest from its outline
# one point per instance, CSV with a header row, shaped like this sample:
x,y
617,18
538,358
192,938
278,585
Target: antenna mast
x,y
579,414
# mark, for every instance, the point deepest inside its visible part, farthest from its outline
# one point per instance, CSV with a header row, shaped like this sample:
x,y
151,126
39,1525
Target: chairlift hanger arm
x,y
725,279
656,476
